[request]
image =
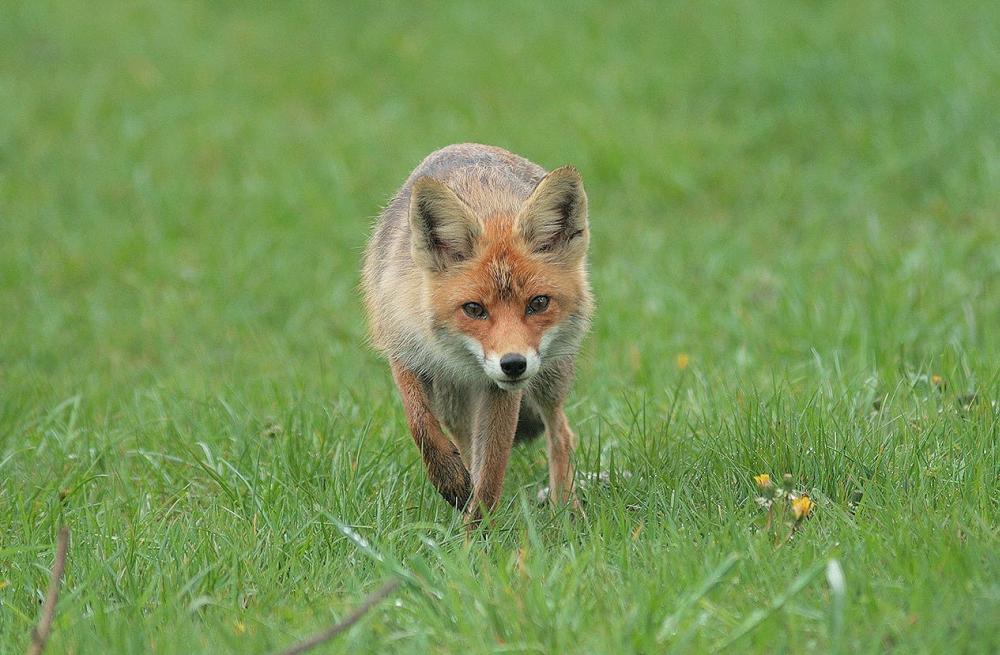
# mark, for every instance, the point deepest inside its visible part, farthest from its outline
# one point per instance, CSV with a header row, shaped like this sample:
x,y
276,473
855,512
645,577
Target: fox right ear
x,y
554,218
444,229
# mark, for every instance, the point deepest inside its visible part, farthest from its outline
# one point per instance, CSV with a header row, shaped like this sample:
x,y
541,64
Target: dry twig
x,y
40,634
371,601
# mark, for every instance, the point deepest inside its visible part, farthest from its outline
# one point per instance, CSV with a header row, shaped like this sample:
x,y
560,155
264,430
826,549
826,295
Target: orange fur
x,y
502,255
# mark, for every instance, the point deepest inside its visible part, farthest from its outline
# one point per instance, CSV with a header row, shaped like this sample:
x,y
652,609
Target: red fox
x,y
475,285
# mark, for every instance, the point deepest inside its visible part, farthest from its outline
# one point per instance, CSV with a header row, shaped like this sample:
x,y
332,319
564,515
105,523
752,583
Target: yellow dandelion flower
x,y
239,627
802,506
522,562
763,480
682,361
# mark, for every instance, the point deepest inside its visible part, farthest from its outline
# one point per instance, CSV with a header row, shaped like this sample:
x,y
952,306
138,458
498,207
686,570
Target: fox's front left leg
x,y
491,446
441,459
561,442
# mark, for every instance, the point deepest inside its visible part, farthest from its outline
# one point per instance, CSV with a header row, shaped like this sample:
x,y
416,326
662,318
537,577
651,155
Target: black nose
x,y
513,364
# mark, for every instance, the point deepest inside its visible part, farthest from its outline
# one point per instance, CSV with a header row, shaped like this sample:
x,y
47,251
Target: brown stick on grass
x,y
40,634
371,601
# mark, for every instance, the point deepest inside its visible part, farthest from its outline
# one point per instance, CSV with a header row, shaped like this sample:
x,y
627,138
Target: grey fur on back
x,y
469,169
490,180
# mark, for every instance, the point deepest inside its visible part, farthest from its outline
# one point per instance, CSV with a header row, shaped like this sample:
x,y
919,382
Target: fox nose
x,y
513,364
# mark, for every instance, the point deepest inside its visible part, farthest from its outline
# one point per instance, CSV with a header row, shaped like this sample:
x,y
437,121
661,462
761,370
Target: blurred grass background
x,y
801,197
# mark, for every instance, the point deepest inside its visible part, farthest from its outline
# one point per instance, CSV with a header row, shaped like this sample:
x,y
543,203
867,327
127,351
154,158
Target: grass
x,y
800,197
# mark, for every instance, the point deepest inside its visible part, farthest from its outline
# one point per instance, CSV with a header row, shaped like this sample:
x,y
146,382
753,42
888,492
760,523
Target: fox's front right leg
x,y
441,458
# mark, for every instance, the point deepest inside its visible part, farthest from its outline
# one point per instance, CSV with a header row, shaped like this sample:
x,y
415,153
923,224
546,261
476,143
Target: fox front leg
x,y
561,442
491,445
441,459
548,400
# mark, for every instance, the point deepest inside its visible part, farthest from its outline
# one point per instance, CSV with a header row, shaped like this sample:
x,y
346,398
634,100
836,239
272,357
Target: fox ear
x,y
554,218
444,229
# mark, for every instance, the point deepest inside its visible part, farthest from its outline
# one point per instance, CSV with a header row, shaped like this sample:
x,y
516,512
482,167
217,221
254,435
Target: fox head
x,y
511,289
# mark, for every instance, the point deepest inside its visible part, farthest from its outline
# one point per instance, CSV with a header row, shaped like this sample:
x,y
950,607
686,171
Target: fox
x,y
476,290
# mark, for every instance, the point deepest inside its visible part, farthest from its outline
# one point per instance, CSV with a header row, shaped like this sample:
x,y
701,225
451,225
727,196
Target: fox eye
x,y
474,310
538,304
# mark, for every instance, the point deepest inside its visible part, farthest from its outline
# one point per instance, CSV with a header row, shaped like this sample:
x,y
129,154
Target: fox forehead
x,y
501,271
507,277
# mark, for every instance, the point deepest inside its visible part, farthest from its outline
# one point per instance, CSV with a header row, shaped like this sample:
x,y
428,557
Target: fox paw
x,y
451,479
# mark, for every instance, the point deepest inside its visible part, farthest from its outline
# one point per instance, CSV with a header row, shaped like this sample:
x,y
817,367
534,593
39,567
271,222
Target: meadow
x,y
795,214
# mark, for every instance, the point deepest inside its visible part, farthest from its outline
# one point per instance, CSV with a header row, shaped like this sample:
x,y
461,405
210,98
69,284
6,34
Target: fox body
x,y
476,290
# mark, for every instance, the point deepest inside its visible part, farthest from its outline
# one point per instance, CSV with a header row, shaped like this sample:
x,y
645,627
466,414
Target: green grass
x,y
802,197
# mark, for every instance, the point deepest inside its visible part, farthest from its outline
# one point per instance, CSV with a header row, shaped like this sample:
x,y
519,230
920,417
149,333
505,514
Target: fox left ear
x,y
444,228
554,218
